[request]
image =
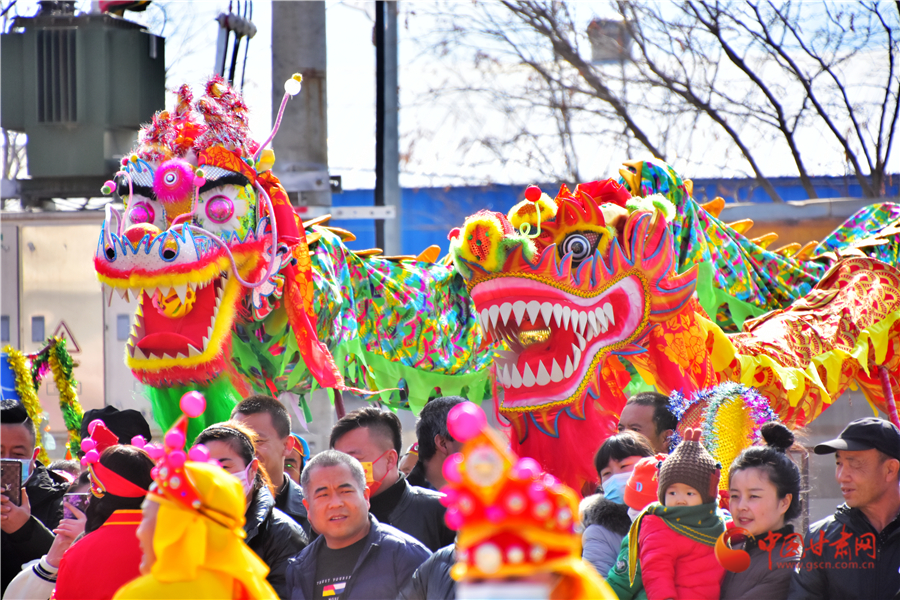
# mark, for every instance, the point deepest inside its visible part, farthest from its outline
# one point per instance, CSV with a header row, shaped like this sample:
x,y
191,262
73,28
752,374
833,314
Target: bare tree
x,y
733,83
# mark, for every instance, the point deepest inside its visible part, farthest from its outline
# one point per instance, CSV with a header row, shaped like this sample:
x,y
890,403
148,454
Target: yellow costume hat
x,y
198,540
513,520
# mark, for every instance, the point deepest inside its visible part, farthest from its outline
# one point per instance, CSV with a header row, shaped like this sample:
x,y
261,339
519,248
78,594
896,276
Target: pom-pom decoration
x,y
138,441
532,193
511,517
293,85
174,181
465,421
193,404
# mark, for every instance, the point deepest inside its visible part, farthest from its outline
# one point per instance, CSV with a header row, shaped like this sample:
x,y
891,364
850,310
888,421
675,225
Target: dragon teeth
x,y
556,374
533,308
608,311
543,377
505,310
546,312
518,309
528,378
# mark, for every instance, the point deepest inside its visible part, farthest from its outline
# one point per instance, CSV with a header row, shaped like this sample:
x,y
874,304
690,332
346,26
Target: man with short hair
x,y
855,553
26,529
354,556
372,436
269,419
648,413
435,441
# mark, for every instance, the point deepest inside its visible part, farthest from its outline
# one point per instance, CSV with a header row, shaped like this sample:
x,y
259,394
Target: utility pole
x,y
388,232
301,146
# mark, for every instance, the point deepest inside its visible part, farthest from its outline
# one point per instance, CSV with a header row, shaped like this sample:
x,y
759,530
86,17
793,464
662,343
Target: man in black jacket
x,y
270,421
372,436
855,553
26,529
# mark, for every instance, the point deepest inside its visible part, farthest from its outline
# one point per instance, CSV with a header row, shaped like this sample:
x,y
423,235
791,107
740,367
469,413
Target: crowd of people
x,y
364,519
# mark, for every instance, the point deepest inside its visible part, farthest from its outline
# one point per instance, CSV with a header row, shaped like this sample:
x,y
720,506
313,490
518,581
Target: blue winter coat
x,y
386,564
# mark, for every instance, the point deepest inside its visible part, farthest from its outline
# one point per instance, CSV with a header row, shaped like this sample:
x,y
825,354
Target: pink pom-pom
x,y
199,181
526,468
453,518
177,458
465,421
88,444
84,462
93,425
154,472
174,181
450,495
154,451
494,514
92,456
451,468
138,441
199,453
537,492
174,439
124,161
193,404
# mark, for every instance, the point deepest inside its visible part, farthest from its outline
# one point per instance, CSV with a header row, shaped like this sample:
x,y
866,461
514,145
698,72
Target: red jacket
x,y
675,566
102,561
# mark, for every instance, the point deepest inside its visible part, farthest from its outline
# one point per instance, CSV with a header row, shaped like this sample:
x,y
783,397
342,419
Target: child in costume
x,y
640,492
191,531
674,539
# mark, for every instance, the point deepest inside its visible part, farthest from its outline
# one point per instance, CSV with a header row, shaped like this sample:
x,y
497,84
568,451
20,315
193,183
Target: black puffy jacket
x,y
415,511
274,537
845,568
45,495
432,580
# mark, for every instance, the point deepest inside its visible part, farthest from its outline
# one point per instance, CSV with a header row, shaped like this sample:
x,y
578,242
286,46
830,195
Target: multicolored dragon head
x,y
207,234
566,283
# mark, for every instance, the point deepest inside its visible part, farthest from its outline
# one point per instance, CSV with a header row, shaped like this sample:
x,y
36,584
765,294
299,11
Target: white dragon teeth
x,y
566,313
557,313
608,311
505,310
528,378
543,377
533,308
516,379
581,341
494,312
556,374
546,312
518,309
569,368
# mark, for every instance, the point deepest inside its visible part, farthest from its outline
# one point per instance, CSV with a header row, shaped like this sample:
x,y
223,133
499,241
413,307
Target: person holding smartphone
x,y
26,528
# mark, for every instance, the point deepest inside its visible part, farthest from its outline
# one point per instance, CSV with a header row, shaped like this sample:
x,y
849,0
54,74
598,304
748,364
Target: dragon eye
x,y
219,208
579,245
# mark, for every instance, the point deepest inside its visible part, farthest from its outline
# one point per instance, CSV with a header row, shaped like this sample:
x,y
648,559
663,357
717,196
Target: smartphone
x,y
11,480
79,501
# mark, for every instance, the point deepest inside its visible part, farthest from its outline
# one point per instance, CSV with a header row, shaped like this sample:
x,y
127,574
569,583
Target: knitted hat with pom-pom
x,y
690,464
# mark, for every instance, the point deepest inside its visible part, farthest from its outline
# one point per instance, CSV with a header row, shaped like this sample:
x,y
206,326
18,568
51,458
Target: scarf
x,y
703,523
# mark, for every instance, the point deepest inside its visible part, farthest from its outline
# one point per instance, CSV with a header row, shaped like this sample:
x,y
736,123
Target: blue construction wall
x,y
428,214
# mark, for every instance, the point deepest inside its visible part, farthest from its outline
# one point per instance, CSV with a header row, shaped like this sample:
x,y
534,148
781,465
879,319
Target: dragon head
x,y
565,282
199,230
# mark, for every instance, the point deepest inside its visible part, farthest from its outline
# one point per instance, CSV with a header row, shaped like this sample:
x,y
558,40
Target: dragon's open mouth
x,y
176,323
554,334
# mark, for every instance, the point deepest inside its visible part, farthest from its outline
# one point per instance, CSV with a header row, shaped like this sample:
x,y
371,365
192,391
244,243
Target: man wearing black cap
x,y
855,553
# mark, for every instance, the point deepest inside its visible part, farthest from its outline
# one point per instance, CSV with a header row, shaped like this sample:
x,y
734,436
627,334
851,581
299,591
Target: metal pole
x,y
379,117
387,145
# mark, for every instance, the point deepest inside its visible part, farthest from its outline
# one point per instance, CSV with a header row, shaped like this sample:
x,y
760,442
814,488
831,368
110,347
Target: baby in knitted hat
x,y
673,540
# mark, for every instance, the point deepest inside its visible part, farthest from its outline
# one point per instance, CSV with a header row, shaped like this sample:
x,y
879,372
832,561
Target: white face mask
x,y
632,514
244,478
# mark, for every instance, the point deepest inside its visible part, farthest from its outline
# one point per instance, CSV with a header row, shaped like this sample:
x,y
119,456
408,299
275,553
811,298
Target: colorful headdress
x,y
513,520
200,524
103,479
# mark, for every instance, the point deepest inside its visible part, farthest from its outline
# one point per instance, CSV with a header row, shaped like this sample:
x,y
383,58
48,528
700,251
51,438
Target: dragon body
x,y
554,308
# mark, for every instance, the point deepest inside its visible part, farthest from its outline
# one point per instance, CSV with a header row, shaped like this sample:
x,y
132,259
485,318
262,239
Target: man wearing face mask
x,y
26,529
372,436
